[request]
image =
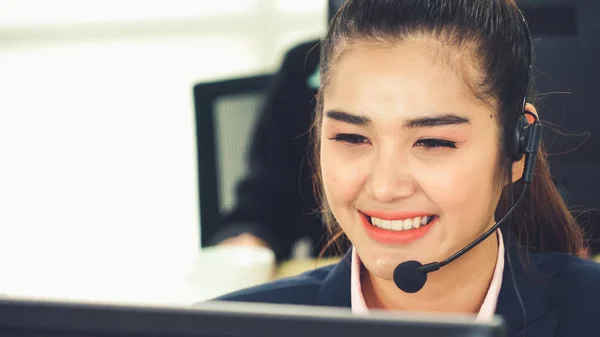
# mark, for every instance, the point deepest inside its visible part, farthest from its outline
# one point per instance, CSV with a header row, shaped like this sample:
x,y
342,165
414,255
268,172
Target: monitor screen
x,y
20,318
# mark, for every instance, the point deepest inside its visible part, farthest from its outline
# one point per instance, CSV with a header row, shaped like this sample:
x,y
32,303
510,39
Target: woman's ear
x,y
531,109
519,166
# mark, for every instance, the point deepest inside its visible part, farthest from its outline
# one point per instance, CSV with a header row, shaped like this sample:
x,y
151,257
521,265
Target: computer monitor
x,y
20,318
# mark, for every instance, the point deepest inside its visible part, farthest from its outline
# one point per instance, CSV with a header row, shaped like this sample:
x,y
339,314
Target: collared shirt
x,y
486,312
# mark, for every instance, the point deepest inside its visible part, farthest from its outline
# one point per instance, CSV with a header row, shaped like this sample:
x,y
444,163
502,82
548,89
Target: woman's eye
x,y
351,139
432,143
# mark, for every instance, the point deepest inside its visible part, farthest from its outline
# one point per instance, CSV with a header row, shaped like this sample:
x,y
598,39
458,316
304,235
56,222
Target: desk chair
x,y
226,112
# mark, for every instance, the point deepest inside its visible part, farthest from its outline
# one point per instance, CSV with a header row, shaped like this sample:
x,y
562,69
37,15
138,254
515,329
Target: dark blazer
x,y
561,293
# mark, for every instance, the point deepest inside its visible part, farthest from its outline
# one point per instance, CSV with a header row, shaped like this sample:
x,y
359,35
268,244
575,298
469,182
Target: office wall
x,y
98,185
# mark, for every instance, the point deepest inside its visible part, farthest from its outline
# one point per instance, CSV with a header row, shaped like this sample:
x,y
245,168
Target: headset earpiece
x,y
518,148
527,141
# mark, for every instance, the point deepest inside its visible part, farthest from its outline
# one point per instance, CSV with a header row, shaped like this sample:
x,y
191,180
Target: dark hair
x,y
495,38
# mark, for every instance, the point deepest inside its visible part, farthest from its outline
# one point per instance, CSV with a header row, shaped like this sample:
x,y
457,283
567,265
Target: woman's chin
x,y
382,263
381,267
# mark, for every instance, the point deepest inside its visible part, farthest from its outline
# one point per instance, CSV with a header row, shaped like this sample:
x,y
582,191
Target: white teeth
x,y
387,224
398,225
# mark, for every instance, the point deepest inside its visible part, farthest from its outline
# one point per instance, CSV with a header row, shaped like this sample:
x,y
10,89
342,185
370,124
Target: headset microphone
x,y
410,276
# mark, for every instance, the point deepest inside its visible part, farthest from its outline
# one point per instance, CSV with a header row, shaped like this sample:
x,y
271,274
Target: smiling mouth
x,y
402,225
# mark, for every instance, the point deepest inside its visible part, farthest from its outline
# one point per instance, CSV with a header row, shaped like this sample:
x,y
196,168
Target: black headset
x,y
527,136
527,139
411,276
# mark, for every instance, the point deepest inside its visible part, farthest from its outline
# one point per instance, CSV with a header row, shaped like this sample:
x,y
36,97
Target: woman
x,y
417,148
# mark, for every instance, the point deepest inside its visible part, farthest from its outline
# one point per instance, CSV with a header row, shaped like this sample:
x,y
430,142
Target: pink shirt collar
x,y
488,308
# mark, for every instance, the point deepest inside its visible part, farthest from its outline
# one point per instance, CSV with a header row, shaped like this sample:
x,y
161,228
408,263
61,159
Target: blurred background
x,y
97,129
125,127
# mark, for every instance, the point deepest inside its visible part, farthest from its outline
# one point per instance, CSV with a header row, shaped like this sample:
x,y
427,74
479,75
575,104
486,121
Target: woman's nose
x,y
391,178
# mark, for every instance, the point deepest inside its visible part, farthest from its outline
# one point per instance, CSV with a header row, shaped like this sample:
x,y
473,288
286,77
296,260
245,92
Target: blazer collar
x,y
535,288
335,290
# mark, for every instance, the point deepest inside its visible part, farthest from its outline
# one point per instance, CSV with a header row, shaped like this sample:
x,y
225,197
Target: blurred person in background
x,y
276,205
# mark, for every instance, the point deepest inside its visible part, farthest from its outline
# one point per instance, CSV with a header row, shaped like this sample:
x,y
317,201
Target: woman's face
x,y
408,156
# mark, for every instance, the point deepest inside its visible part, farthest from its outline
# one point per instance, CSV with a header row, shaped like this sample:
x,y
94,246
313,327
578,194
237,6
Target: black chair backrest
x,y
226,112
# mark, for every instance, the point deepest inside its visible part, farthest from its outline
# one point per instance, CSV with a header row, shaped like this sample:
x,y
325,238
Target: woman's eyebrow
x,y
411,123
432,121
349,118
